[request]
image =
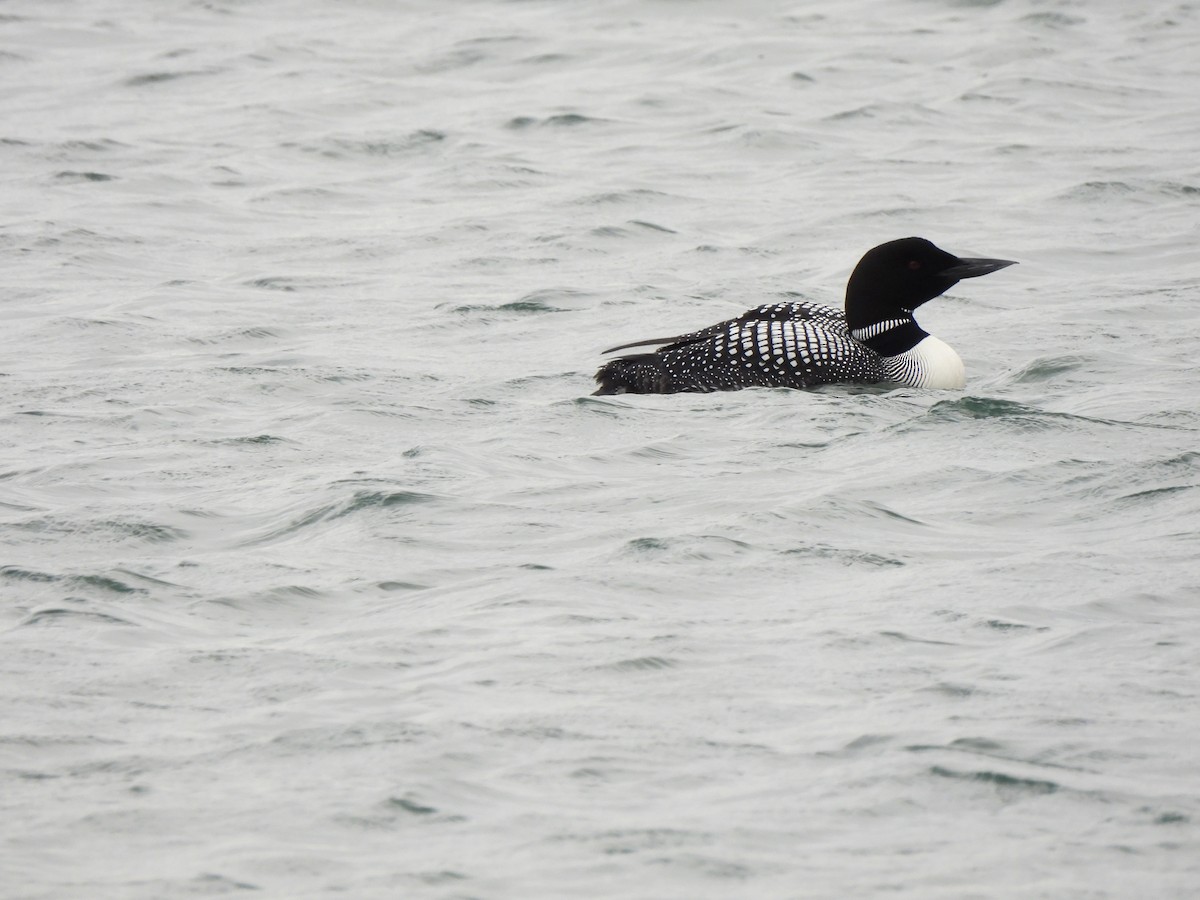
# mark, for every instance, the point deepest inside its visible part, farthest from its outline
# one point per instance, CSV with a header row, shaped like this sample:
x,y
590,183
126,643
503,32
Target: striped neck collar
x,y
878,328
891,336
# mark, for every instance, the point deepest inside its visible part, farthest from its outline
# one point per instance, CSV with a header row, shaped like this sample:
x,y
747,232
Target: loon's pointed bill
x,y
802,345
973,268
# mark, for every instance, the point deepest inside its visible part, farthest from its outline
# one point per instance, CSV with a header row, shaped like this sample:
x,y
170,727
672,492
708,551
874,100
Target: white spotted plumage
x,y
776,345
798,345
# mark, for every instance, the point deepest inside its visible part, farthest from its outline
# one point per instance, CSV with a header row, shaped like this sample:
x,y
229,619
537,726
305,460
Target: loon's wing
x,y
767,347
648,343
770,312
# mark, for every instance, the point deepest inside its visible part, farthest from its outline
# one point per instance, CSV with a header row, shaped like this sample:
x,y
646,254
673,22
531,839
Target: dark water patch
x,y
590,774
1052,20
441,876
419,139
1186,461
543,59
529,304
83,176
641,664
569,120
562,120
16,473
544,733
981,97
253,333
535,567
272,283
802,78
391,586
845,556
345,376
572,620
976,745
1002,626
288,592
383,500
1067,722
603,407
700,547
85,322
626,841
910,113
1008,411
213,883
1172,818
62,615
319,197
536,302
488,39
101,146
948,689
1048,368
145,531
910,639
139,531
155,78
859,746
656,452
629,196
1099,190
104,583
532,382
610,231
881,511
1175,188
407,805
1005,784
57,740
345,148
145,579
394,810
650,226
1153,494
1147,191
18,574
360,501
256,439
306,741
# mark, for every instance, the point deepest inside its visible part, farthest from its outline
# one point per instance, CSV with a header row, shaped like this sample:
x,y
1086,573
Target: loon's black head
x,y
893,279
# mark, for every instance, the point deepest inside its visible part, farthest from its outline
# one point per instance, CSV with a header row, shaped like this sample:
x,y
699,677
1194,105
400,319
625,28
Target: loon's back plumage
x,y
803,345
796,345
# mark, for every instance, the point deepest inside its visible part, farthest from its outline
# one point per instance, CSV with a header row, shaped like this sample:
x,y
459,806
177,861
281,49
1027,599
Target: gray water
x,y
323,575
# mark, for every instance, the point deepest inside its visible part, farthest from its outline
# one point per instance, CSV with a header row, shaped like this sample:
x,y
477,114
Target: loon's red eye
x,y
914,264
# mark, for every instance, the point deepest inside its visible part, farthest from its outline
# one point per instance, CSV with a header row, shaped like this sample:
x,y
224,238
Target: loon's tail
x,y
643,373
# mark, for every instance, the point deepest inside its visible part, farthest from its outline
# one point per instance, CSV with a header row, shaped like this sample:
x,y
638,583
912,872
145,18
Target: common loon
x,y
801,345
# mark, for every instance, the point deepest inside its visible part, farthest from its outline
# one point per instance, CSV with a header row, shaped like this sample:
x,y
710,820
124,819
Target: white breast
x,y
930,364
